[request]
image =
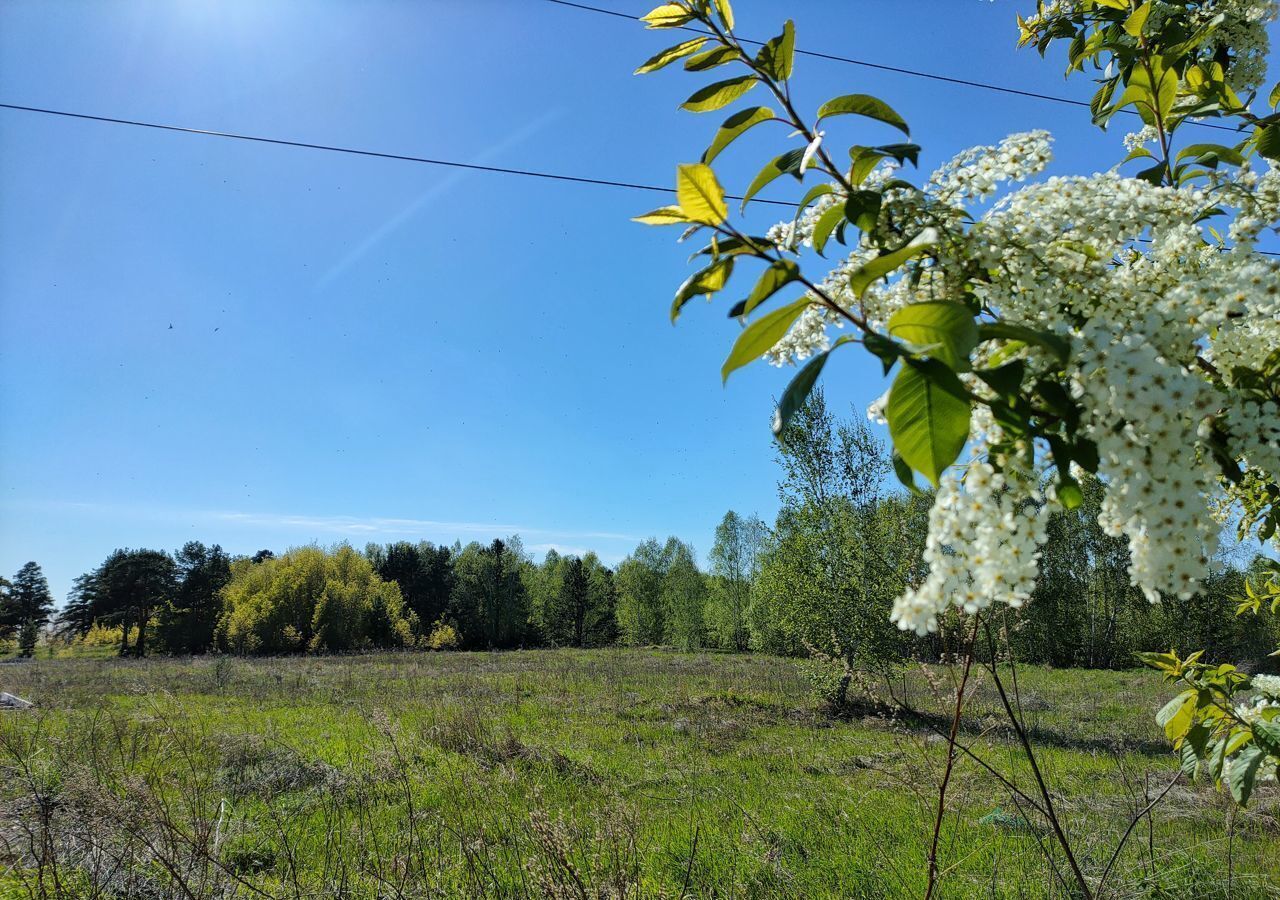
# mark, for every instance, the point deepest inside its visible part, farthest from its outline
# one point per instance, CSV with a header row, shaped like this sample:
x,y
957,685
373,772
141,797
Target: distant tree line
x,y
818,583
844,546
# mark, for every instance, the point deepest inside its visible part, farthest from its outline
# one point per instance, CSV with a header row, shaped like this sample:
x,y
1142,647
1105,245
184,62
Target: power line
x,y
453,164
882,67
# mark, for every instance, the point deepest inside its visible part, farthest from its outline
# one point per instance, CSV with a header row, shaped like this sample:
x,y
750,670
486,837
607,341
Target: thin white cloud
x,y
307,526
380,233
396,526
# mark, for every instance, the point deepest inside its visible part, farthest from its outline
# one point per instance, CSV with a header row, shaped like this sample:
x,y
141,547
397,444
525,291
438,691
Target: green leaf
x,y
1237,740
699,194
760,336
1154,175
787,163
1269,142
888,351
719,95
1100,105
777,276
705,281
940,329
1267,735
668,15
1198,739
797,392
663,215
1165,662
1177,715
1274,100
825,225
865,158
670,55
1005,380
735,246
1055,396
710,59
818,190
725,12
1150,92
863,208
1211,154
1244,770
1069,493
881,266
864,105
734,127
777,57
1190,762
994,331
905,476
1197,40
1137,19
903,153
928,415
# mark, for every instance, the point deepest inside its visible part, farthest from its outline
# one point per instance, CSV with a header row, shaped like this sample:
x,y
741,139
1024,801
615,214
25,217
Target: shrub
x,y
311,599
443,637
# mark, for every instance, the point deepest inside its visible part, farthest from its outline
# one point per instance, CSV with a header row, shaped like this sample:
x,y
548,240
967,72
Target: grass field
x,y
575,774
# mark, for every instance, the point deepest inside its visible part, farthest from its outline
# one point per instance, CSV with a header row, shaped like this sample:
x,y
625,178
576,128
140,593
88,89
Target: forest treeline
x,y
818,582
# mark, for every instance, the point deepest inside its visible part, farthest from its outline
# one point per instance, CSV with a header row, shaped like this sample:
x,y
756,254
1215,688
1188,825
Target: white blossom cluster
x,y
1267,685
1255,429
976,173
1145,415
1251,712
1265,701
986,529
1151,319
1244,30
1124,270
1140,138
1258,197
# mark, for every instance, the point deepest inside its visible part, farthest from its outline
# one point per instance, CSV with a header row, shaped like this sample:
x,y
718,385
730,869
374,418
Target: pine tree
x,y
130,587
30,605
187,622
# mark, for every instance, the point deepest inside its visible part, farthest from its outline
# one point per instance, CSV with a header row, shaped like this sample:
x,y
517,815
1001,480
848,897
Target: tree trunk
x,y
842,689
124,636
139,646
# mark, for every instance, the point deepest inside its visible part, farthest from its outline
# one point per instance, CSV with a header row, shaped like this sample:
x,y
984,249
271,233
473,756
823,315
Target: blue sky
x,y
364,349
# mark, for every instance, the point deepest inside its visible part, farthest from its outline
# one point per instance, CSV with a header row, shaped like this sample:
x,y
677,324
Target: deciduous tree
x,y
735,562
489,601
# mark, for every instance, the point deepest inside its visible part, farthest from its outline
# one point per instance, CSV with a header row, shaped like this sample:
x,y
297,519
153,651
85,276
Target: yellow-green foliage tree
x,y
311,599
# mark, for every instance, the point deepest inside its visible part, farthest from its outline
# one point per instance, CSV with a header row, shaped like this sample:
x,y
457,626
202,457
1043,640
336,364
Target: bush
x,y
311,600
100,635
443,637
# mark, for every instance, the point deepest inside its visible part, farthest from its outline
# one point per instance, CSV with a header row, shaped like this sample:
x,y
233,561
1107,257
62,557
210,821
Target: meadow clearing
x,y
562,773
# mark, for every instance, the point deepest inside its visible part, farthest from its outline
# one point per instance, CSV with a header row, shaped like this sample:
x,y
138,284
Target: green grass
x,y
577,774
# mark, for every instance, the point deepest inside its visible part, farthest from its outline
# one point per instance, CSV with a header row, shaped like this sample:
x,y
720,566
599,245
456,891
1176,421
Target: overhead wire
x,y
378,154
332,148
883,67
